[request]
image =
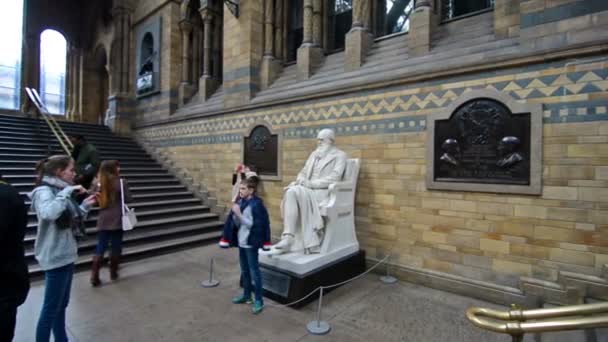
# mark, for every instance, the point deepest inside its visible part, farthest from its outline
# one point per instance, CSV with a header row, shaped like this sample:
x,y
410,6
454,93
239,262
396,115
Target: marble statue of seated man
x,y
303,225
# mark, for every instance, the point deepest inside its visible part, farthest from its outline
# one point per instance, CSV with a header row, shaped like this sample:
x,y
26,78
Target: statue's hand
x,y
306,183
292,184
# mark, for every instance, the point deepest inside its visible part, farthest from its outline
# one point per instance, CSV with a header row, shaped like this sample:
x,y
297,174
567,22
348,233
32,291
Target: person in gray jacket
x,y
56,250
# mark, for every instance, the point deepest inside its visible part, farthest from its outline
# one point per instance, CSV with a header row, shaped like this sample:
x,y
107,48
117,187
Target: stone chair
x,y
339,212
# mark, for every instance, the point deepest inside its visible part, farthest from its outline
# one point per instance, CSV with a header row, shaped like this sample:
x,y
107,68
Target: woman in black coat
x,y
13,268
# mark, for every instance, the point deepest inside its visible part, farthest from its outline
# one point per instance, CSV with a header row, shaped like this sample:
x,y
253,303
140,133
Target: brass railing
x,y
55,128
514,322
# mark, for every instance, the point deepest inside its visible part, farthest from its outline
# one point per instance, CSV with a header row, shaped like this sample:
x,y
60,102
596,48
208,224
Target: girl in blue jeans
x,y
56,250
248,227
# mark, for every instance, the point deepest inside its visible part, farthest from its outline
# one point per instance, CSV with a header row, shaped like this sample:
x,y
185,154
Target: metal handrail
x,y
52,119
55,128
513,322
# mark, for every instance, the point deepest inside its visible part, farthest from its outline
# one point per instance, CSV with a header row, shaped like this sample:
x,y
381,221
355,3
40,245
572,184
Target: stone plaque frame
x,y
153,27
279,154
536,138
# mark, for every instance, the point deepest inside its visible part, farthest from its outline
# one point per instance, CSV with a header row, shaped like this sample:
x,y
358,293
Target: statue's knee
x,y
290,194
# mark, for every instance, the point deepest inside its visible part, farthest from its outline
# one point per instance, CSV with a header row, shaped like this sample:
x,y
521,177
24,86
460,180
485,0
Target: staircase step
x,y
145,219
144,250
145,206
27,131
162,194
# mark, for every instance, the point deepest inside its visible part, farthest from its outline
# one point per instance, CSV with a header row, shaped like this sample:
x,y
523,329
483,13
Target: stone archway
x,y
96,87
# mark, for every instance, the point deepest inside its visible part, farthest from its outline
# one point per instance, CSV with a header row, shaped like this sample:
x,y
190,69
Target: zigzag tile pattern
x,y
366,113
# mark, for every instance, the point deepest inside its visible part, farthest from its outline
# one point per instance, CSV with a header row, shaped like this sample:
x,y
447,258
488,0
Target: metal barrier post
x,y
318,327
388,279
211,282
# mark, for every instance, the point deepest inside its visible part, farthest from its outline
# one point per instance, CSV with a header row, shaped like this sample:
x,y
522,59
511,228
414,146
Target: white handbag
x,y
129,220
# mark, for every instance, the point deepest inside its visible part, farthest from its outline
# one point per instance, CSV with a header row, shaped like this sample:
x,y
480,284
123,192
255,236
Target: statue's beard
x,y
323,150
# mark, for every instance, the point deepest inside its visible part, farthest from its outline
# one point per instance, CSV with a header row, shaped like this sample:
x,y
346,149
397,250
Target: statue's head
x,y
450,146
508,145
326,137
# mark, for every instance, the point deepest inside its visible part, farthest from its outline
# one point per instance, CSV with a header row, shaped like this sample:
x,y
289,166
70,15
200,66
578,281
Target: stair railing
x,y
54,126
514,322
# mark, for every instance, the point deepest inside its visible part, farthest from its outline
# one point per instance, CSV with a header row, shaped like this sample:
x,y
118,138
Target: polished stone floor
x,y
160,299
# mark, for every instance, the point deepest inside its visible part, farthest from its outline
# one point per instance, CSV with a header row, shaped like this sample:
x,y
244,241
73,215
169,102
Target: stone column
x,y
307,29
270,65
73,95
506,18
422,24
70,83
268,27
185,87
317,23
78,81
206,84
309,55
197,42
120,100
30,66
359,39
278,30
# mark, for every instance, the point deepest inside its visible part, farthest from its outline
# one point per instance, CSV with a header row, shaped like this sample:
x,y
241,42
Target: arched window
x,y
11,20
457,8
147,53
53,53
391,16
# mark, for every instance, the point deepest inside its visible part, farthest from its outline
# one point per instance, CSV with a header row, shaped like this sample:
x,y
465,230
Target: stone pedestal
x,y
270,69
206,87
285,286
506,19
309,58
120,114
421,26
184,93
358,43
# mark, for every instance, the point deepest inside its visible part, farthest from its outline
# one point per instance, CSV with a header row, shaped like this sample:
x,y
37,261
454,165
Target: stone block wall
x,y
243,44
499,239
554,23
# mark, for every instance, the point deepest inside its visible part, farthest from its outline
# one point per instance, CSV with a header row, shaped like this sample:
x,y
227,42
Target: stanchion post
x,y
210,282
388,279
318,327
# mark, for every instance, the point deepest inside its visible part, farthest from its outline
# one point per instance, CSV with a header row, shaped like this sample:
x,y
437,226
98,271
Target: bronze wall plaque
x,y
482,142
261,151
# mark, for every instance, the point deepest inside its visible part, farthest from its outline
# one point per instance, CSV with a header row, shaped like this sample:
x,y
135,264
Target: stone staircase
x,y
170,216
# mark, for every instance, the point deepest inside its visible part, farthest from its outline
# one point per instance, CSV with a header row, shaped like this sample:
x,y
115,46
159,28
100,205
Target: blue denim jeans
x,y
250,268
114,237
57,285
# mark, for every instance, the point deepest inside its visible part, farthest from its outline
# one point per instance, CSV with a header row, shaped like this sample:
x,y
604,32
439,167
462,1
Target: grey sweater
x,y
55,247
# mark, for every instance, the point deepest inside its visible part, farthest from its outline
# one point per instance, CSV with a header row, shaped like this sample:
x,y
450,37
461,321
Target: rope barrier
x,y
331,286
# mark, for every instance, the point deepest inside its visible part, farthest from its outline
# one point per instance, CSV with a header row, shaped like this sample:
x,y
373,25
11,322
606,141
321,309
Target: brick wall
x,y
482,236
